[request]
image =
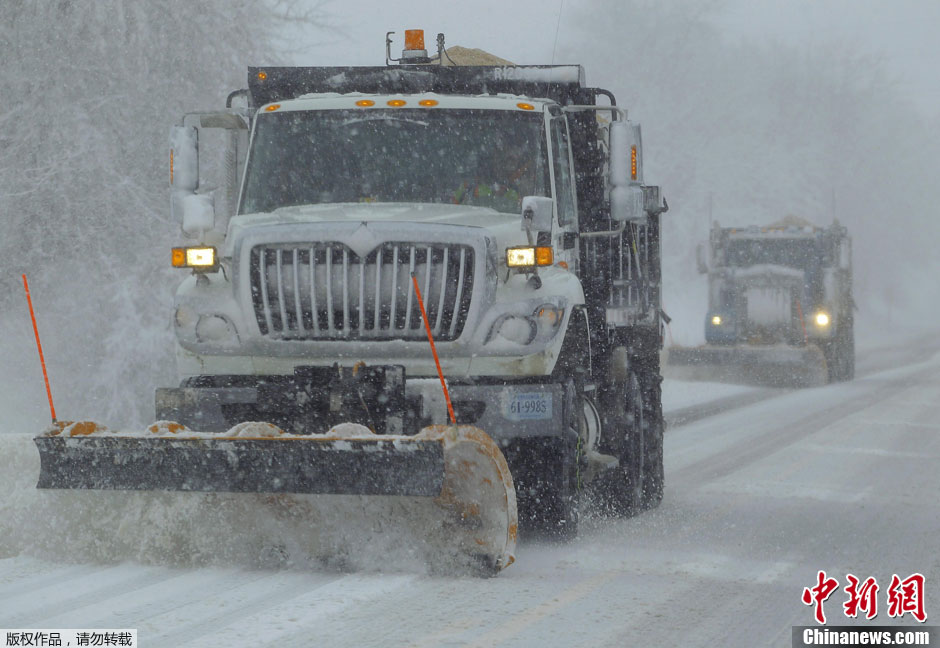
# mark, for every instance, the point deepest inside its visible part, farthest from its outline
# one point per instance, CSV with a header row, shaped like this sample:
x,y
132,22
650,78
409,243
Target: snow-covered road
x,y
758,499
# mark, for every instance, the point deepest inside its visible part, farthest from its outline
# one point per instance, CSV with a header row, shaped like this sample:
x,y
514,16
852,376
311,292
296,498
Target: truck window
x,y
488,158
562,165
793,253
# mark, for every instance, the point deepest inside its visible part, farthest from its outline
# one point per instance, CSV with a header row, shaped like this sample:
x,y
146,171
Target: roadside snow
x,y
758,499
679,394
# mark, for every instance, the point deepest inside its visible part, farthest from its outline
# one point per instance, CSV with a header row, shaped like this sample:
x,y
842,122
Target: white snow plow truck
x,y
419,280
780,307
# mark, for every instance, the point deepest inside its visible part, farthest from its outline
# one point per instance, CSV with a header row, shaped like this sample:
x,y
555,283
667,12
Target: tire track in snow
x,y
767,442
297,620
165,590
518,623
269,599
39,573
25,612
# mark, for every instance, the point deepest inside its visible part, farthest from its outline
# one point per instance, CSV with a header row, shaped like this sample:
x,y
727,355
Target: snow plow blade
x,y
232,465
771,366
455,476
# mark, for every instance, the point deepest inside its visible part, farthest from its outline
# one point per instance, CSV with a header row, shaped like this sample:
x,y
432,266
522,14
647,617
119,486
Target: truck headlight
x,y
529,257
184,317
822,319
517,329
201,259
215,328
716,320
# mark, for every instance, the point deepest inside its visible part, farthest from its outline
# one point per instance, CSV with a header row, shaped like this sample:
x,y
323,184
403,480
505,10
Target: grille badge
x,y
363,241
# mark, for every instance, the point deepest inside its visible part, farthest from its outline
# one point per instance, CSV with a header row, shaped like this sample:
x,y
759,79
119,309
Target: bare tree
x,y
89,92
747,133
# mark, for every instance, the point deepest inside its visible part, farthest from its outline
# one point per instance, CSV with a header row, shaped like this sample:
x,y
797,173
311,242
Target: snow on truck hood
x,y
504,226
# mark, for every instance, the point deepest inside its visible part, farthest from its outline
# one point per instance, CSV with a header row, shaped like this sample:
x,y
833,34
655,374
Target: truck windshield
x,y
793,253
488,158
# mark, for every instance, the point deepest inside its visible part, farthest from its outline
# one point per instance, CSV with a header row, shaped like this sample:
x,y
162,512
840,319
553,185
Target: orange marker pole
x,y
42,360
427,327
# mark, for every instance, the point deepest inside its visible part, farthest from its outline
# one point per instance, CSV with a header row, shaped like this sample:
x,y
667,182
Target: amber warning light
x,y
414,51
414,39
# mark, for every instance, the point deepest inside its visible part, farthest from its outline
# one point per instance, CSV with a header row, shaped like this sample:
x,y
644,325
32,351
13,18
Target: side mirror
x,y
193,210
700,259
198,214
626,204
626,153
626,172
537,212
184,158
845,254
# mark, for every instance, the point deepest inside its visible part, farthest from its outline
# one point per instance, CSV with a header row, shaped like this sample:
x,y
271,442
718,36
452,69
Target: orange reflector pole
x,y
437,362
414,39
42,360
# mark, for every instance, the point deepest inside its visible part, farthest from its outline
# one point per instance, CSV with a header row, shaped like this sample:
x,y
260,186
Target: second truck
x,y
510,198
780,306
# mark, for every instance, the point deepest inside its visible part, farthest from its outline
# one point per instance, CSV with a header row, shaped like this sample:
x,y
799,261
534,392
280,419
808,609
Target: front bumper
x,y
308,404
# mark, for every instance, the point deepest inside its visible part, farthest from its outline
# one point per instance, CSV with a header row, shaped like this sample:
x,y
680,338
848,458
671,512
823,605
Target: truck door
x,y
566,209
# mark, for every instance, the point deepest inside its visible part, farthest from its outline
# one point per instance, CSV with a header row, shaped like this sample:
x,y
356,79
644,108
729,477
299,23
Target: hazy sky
x,y
902,33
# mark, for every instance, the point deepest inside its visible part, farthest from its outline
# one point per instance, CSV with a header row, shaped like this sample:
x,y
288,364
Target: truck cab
x,y
788,283
344,198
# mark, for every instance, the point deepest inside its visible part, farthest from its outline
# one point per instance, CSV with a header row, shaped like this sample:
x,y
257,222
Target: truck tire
x,y
831,355
550,509
619,491
548,496
840,356
558,515
848,353
562,506
653,471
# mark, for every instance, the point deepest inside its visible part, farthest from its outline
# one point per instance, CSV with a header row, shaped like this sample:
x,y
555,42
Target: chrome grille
x,y
324,290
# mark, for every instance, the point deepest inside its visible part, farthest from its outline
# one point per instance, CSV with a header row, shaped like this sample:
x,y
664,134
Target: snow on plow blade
x,y
453,477
773,366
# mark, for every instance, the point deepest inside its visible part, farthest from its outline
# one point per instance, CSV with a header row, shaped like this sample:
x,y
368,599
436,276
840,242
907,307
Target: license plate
x,y
528,406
